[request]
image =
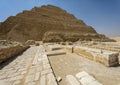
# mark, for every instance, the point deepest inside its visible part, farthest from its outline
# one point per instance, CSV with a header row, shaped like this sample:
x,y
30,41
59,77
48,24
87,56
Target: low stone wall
x,y
9,52
108,58
54,47
57,52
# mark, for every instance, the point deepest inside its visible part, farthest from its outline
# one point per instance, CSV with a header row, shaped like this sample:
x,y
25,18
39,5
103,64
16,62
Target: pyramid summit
x,y
48,23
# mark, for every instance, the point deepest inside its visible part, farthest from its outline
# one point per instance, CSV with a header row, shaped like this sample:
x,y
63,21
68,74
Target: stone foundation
x,y
108,58
54,47
58,52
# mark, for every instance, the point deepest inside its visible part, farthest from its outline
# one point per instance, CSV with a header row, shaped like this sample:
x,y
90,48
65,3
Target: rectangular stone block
x,y
58,52
81,74
54,47
35,58
108,58
72,80
87,79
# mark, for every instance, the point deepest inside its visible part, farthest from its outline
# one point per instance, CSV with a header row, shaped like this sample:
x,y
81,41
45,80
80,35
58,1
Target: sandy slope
x,y
116,38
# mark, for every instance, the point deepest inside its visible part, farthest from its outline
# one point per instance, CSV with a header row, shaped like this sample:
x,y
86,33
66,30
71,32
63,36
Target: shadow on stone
x,y
12,58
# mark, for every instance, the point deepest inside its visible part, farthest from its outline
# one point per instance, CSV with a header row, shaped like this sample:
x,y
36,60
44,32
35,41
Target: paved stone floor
x,y
30,68
71,64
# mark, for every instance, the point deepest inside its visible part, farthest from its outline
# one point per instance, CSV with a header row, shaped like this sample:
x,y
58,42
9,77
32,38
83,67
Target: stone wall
x,y
108,58
8,52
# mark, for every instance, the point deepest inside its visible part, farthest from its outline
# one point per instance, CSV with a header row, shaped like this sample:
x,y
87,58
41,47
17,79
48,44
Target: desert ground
x,y
116,38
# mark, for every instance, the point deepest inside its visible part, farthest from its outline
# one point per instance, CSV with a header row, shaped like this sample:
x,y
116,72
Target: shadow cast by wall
x,y
11,59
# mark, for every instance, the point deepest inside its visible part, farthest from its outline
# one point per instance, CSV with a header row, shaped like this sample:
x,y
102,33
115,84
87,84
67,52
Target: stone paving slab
x,y
57,52
87,79
30,68
72,80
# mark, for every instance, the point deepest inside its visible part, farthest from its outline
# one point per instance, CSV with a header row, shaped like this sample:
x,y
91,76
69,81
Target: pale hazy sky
x,y
103,15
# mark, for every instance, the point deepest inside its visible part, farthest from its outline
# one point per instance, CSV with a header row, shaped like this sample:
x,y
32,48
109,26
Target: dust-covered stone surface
x,y
73,63
34,67
30,68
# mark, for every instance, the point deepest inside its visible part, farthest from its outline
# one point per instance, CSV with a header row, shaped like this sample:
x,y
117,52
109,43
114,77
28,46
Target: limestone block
x,y
72,80
108,58
87,79
54,47
81,74
35,59
58,52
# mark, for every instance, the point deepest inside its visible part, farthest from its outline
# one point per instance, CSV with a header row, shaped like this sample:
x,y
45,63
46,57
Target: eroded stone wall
x,y
8,52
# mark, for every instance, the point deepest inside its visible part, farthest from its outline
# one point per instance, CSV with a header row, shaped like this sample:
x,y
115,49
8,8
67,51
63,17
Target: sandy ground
x,y
116,38
72,63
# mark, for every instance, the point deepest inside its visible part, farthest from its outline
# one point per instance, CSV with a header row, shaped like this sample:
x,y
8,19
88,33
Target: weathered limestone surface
x,y
72,80
108,58
58,52
86,79
30,68
52,47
